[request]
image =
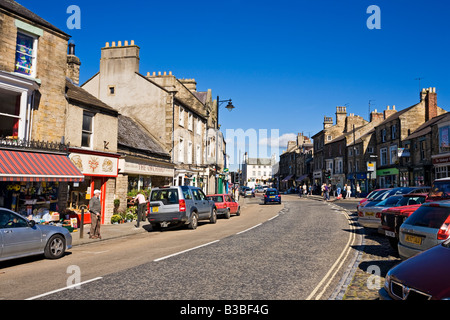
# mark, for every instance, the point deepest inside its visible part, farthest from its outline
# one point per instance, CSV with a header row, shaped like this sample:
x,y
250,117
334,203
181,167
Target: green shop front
x,y
388,177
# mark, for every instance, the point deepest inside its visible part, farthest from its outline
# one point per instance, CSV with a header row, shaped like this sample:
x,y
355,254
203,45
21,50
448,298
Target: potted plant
x,y
116,218
129,217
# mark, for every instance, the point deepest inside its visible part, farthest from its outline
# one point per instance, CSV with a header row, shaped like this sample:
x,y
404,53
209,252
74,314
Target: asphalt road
x,y
298,254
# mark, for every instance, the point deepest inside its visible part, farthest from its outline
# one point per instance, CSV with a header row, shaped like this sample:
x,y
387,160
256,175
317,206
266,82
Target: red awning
x,y
35,166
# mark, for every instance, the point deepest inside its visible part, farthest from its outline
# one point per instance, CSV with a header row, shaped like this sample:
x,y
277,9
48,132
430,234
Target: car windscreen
x,y
440,189
216,198
271,193
389,202
381,196
407,201
429,216
166,196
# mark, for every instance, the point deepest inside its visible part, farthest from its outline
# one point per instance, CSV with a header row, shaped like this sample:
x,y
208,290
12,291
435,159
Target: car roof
x,y
415,195
442,203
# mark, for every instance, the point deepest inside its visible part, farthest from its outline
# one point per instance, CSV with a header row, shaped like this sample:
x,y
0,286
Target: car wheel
x,y
228,215
213,218
238,212
55,247
194,222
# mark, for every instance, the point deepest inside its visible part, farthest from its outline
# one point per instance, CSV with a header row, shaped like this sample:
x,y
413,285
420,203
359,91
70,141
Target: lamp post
x,y
229,107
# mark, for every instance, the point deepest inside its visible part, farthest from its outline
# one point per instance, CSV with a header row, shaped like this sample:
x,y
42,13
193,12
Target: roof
x,y
18,9
260,161
426,127
80,95
133,135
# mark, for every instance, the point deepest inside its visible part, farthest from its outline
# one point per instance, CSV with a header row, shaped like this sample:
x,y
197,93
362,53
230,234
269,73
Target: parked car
x,y
422,277
225,205
370,216
440,190
20,237
392,218
428,226
180,205
249,193
259,189
386,193
369,197
272,195
376,198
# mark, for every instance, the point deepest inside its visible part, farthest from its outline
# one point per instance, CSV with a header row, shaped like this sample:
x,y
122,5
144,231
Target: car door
x,y
231,204
18,237
201,203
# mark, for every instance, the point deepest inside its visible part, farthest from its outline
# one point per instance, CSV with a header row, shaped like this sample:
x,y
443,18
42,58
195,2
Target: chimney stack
x,y
341,114
376,116
73,65
430,103
327,122
388,112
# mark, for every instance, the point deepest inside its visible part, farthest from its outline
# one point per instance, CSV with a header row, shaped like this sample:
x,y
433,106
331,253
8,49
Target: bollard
x,y
82,221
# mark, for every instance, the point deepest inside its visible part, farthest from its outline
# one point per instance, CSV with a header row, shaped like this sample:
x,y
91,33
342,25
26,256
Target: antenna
x,y
370,104
420,88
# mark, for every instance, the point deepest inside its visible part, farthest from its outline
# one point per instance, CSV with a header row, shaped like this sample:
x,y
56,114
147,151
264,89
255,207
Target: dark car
x,y
272,195
422,277
392,218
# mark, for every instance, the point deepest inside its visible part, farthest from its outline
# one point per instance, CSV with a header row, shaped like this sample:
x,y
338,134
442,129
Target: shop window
x,y
86,134
9,115
26,54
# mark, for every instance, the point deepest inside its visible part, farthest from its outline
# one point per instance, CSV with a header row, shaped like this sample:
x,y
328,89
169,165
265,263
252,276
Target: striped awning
x,y
35,166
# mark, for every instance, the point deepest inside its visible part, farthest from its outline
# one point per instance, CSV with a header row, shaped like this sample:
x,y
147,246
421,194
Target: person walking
x,y
349,191
141,205
95,208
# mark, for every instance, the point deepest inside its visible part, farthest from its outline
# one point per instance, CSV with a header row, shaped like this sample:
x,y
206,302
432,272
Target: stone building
x,y
167,107
33,113
392,169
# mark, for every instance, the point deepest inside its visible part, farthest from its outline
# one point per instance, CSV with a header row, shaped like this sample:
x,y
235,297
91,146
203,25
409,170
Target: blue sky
x,y
286,64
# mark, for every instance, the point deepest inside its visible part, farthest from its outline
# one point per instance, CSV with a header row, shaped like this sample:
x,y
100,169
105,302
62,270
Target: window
x,y
26,49
111,90
393,154
422,150
199,127
369,149
394,131
11,220
181,150
189,152
383,156
329,138
181,117
444,140
9,114
190,121
86,132
198,154
383,135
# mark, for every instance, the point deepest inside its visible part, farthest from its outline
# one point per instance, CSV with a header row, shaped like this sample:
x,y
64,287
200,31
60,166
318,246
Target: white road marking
x,y
273,217
187,250
65,288
249,228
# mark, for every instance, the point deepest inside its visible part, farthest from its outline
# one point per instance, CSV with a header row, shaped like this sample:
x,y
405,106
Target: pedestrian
x,y
358,190
338,192
304,189
95,208
349,191
141,206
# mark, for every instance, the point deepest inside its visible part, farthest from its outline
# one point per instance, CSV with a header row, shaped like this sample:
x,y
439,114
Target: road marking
x,y
341,259
273,217
65,288
249,228
184,251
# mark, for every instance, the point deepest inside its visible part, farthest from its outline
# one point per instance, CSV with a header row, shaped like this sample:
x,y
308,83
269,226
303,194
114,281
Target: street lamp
x,y
229,107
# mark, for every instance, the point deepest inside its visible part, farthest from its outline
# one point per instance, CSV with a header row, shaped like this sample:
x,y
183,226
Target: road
x,y
296,251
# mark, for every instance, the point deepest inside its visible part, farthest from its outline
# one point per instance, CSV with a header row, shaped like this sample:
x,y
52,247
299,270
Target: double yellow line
x,y
331,274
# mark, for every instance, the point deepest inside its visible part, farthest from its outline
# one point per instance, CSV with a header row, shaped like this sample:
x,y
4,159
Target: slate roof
x,y
18,9
133,135
80,95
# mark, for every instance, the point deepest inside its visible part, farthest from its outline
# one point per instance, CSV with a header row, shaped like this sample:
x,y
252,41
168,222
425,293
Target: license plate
x,y
154,209
369,214
272,197
390,234
413,239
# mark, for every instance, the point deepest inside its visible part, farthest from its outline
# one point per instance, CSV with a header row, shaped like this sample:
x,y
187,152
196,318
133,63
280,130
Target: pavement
x,y
374,256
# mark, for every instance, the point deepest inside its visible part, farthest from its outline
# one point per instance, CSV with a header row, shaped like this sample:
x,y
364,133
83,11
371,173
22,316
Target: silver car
x,y
180,205
20,237
426,227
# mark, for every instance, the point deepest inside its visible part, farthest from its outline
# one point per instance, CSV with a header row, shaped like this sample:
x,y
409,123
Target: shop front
x,y
100,171
34,184
441,166
388,178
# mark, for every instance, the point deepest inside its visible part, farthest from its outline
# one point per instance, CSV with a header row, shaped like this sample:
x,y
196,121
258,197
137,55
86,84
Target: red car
x,y
392,218
422,277
225,205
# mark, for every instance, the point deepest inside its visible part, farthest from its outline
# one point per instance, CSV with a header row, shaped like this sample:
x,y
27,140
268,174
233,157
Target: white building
x,y
257,171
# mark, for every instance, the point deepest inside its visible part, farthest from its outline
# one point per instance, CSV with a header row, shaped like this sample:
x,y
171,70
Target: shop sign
x,y
95,165
131,167
387,172
441,160
403,152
